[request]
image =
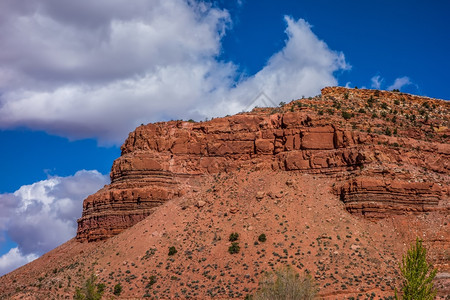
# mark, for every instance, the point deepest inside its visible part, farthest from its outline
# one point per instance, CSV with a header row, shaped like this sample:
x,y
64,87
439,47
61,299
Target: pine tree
x,y
417,274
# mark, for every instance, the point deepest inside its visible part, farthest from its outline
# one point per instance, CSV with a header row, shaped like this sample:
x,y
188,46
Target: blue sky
x,y
76,77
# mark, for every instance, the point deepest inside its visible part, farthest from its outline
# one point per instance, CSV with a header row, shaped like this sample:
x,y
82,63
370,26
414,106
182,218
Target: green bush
x,y
388,131
90,290
233,237
346,115
117,289
151,282
262,238
234,248
417,274
285,283
172,250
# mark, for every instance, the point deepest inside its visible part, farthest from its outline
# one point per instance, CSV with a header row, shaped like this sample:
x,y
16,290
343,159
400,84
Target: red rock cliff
x,y
387,152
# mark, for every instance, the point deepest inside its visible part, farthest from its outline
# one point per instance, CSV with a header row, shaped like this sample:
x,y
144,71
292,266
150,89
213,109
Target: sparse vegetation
x,y
285,283
262,238
90,290
117,289
388,131
151,282
172,250
346,115
234,248
233,237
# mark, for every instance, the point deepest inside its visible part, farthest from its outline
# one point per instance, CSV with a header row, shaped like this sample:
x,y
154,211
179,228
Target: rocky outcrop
x,y
159,160
377,198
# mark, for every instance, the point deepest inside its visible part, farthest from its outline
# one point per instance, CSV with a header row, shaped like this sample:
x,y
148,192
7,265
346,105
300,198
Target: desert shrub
x,y
417,274
388,131
262,238
172,250
346,115
151,282
233,237
426,105
336,104
90,290
234,248
117,289
286,284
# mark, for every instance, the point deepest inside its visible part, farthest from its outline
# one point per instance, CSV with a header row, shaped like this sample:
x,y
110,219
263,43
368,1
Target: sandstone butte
x,y
340,184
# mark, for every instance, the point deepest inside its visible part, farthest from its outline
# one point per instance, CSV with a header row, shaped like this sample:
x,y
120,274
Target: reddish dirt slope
x,y
337,195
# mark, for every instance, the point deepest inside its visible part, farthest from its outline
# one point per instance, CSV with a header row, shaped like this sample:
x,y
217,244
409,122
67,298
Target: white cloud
x,y
41,216
399,83
100,68
376,82
14,259
301,68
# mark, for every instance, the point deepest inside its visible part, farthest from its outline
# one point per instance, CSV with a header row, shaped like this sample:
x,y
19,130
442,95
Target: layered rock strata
x,y
377,198
159,160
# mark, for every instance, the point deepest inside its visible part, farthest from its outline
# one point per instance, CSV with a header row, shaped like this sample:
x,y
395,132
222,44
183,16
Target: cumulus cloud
x,y
400,82
99,68
41,216
14,259
301,68
376,82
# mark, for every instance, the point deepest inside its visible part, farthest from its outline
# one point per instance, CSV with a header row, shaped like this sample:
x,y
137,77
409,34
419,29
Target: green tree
x,y
90,290
286,284
417,274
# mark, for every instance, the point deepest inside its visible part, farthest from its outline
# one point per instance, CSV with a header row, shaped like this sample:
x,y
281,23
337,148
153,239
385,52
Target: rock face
x,y
376,198
366,140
